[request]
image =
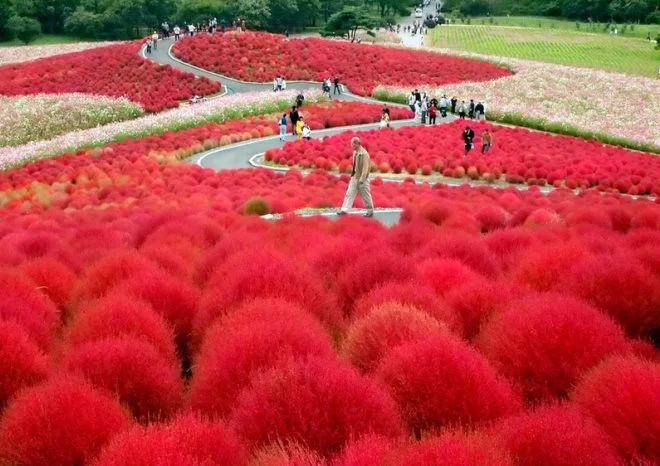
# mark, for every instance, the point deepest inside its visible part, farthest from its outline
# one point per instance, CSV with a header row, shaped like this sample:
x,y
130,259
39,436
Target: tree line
x,y
633,11
125,19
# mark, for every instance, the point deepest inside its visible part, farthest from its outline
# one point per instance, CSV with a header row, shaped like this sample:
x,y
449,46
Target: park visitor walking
x,y
462,110
433,113
154,38
283,127
468,138
300,124
337,89
294,117
425,109
481,111
471,109
359,180
443,106
177,33
300,98
454,101
411,101
486,141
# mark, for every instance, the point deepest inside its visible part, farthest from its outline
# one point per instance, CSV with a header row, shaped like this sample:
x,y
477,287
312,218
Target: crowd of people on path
x,y
416,27
327,87
190,29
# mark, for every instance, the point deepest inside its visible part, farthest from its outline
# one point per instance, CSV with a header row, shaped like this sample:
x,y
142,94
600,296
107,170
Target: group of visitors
x,y
299,126
279,83
427,109
415,28
327,86
468,140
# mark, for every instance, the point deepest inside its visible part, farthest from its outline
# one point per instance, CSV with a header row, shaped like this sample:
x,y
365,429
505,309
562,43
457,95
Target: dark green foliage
x,y
23,28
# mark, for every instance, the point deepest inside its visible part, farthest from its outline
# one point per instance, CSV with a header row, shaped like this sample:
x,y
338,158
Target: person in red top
x,y
433,113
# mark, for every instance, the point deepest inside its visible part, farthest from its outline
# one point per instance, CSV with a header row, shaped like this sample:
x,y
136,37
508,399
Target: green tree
x,y
201,10
284,14
345,23
83,23
255,13
636,10
6,12
23,28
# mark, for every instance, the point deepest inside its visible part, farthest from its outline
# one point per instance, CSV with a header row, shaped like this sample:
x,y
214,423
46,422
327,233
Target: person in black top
x,y
454,101
480,111
471,109
468,138
337,89
293,116
386,110
418,96
299,100
433,102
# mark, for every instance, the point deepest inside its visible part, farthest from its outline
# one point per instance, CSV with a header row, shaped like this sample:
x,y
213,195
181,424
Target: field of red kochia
x,y
260,57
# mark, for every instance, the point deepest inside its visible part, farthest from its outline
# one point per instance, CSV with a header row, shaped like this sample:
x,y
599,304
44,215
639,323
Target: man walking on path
x,y
454,101
481,111
359,180
154,38
443,106
468,137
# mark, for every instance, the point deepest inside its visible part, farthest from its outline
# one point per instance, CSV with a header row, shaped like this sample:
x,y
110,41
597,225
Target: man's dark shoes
x,y
341,213
369,214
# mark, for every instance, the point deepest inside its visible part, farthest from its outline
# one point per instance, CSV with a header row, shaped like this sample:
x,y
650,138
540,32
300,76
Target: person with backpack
x,y
283,124
471,109
443,106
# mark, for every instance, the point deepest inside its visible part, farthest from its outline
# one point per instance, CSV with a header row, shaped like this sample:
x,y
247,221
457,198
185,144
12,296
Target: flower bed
x,y
39,117
444,323
517,156
581,101
212,110
24,53
260,57
115,71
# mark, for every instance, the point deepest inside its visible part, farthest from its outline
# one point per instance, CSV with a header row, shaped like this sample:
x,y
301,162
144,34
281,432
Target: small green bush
x,y
256,205
23,28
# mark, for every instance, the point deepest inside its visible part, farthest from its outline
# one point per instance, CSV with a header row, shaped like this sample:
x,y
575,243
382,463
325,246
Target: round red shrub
x,y
170,297
186,441
623,396
367,451
387,326
368,271
108,272
62,422
232,354
289,454
453,449
445,274
545,343
23,304
543,267
141,378
475,301
620,286
24,363
441,381
314,403
261,274
121,316
414,293
53,278
555,436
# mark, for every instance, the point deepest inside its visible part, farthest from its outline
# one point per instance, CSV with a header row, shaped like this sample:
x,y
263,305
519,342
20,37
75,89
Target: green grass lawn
x,y
604,51
636,30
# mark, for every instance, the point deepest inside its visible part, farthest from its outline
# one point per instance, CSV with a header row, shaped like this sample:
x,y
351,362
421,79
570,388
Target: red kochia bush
x,y
555,436
108,272
545,343
170,297
453,449
368,271
445,274
24,364
441,381
413,293
52,277
620,286
121,316
543,267
291,454
623,396
367,451
143,380
231,355
261,274
62,422
475,301
387,326
23,304
186,441
315,404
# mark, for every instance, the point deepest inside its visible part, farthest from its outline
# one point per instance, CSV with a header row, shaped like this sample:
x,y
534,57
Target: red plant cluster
x,y
115,70
518,156
260,57
145,320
